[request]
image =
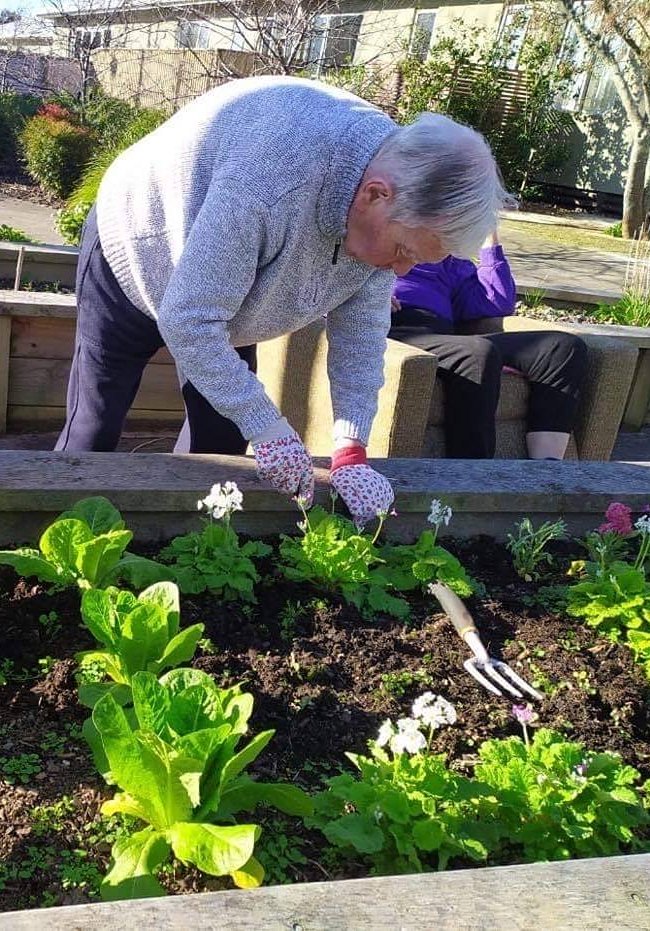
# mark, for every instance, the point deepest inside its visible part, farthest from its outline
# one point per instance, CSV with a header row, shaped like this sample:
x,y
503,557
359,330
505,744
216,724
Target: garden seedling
x,y
528,547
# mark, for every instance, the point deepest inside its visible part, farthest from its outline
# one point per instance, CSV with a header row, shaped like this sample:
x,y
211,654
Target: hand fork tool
x,y
487,670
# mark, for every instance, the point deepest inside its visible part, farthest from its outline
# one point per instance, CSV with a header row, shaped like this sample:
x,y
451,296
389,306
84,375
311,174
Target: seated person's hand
x,y
364,491
395,305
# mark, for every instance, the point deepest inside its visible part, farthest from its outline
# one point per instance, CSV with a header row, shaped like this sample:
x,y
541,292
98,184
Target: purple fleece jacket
x,y
456,290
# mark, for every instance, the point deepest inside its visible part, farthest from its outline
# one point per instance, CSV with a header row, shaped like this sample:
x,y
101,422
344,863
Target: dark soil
x,y
322,676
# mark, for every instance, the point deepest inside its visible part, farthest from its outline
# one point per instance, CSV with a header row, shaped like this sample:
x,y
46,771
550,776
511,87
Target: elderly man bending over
x,y
257,208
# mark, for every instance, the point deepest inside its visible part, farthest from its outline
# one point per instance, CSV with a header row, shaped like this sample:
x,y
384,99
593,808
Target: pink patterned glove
x,y
283,461
364,491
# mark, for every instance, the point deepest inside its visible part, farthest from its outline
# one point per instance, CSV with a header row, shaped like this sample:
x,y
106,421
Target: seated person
x,y
432,302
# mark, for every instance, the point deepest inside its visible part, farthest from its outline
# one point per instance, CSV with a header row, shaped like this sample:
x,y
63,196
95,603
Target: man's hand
x,y
365,491
283,461
395,305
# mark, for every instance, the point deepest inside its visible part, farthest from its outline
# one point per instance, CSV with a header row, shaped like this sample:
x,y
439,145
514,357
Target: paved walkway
x,y
543,263
34,219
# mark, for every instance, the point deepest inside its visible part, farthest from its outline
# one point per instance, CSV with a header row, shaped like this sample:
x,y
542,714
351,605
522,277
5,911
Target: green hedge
x,y
56,152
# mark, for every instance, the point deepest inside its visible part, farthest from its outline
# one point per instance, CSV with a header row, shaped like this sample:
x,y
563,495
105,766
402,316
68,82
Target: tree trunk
x,y
633,195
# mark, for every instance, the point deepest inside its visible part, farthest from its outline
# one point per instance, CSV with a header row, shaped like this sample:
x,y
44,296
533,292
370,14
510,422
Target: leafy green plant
x,y
556,800
279,851
14,110
11,234
20,768
419,564
332,553
137,634
615,230
528,547
214,559
85,546
632,309
397,684
406,811
539,799
616,602
50,625
180,773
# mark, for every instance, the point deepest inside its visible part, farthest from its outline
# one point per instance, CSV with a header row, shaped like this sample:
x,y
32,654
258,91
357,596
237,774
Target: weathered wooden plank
x,y
600,894
53,338
157,492
35,419
5,339
36,382
33,303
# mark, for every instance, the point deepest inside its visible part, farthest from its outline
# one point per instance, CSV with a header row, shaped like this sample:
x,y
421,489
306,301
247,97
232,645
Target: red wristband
x,y
348,456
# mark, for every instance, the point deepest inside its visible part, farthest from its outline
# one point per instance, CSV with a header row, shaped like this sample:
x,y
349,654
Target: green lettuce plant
x,y
333,554
136,634
213,559
85,546
181,774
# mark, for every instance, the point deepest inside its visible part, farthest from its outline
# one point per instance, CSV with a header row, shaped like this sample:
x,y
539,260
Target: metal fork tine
x,y
472,669
509,671
491,671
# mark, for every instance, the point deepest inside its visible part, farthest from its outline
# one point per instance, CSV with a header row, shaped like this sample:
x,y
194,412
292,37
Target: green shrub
x,y
615,230
11,234
14,110
56,152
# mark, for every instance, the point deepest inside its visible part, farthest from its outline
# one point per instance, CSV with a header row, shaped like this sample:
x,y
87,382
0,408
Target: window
x,y
333,42
85,40
193,34
238,41
601,94
422,34
512,29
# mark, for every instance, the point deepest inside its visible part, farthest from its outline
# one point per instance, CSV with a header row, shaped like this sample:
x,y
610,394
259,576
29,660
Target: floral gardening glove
x,y
364,491
283,461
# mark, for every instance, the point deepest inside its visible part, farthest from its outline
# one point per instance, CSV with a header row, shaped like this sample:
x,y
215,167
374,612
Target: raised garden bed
x,y
322,674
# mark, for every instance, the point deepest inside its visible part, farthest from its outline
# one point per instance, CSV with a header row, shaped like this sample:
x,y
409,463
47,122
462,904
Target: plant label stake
x,y
487,670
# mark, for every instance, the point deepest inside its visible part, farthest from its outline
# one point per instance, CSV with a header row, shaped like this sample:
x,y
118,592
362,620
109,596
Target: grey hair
x,y
445,178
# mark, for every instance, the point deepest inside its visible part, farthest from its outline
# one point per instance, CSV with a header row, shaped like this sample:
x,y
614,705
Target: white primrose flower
x,y
409,738
433,710
438,714
440,513
643,524
222,500
386,732
422,702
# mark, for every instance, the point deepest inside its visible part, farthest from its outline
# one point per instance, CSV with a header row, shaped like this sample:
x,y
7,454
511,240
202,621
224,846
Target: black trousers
x,y
470,367
114,342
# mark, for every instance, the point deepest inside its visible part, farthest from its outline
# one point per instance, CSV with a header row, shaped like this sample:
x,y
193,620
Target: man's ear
x,y
374,190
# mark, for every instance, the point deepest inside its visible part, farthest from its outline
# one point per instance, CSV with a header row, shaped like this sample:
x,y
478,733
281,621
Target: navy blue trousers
x,y
114,342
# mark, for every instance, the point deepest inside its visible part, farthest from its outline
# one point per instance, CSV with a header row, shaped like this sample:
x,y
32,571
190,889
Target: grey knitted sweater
x,y
222,225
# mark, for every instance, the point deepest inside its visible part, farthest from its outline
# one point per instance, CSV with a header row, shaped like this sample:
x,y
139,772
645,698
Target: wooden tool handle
x,y
454,608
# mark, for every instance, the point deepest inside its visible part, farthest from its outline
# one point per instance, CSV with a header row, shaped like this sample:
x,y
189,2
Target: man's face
x,y
373,238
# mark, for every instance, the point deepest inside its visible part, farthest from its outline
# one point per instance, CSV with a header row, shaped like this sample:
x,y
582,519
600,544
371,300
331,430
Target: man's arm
x,y
356,335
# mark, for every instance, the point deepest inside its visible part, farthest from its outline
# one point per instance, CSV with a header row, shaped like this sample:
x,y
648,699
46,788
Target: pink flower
x,y
618,519
523,713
